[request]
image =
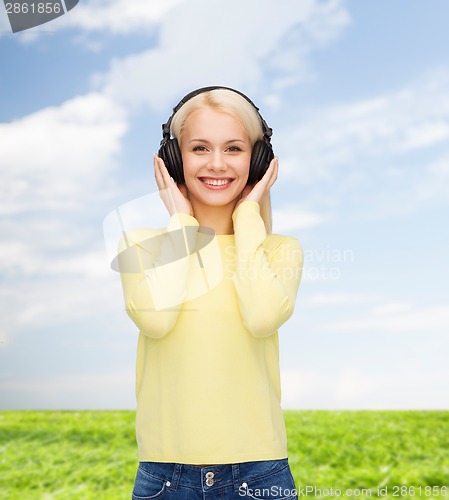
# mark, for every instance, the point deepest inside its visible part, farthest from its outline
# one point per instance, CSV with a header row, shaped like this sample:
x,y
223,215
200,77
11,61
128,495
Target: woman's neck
x,y
217,218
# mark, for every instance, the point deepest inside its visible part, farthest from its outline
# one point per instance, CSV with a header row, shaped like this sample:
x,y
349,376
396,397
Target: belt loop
x,y
176,476
236,476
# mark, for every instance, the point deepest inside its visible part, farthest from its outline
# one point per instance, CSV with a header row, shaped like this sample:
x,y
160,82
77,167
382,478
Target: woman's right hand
x,y
174,196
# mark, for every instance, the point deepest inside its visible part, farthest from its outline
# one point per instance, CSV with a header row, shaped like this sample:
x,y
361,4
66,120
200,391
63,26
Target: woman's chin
x,y
216,198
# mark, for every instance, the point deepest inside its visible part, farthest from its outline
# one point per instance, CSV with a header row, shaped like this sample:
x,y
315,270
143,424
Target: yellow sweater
x,y
207,375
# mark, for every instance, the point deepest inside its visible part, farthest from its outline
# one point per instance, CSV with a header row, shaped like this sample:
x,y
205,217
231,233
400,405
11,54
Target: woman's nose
x,y
217,161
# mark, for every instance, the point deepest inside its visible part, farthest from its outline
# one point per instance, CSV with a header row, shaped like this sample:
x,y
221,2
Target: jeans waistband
x,y
212,477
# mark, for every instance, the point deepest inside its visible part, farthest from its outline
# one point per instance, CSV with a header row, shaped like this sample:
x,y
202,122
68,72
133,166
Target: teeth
x,y
216,182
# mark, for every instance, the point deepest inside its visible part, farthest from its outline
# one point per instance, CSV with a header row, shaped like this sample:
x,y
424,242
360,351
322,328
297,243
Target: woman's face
x,y
216,154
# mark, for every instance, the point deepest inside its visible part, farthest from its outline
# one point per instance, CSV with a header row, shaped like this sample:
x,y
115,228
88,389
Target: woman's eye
x,y
234,148
199,148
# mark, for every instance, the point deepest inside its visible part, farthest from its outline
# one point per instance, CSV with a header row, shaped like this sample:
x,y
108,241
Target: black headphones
x,y
170,152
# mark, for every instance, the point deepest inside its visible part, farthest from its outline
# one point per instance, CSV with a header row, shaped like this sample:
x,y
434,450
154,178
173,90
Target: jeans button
x,y
209,482
209,475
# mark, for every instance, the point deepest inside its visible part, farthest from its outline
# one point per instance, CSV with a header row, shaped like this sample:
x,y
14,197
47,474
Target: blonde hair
x,y
232,103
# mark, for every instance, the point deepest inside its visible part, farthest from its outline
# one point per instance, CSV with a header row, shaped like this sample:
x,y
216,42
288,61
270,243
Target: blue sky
x,y
358,96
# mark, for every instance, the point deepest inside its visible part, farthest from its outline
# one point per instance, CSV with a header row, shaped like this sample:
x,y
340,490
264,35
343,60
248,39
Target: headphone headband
x,y
267,131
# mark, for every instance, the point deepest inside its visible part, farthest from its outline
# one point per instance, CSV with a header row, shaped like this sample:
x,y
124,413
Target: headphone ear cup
x,y
170,152
261,156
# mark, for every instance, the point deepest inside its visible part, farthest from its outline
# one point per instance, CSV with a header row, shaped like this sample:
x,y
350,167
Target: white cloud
x,y
78,391
49,300
404,386
118,16
387,154
339,298
225,42
423,135
289,58
56,165
55,156
434,185
291,217
26,259
5,27
391,318
325,263
325,19
400,122
392,308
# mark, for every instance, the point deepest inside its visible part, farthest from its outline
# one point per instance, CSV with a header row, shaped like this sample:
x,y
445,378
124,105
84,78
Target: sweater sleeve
x,y
268,272
155,290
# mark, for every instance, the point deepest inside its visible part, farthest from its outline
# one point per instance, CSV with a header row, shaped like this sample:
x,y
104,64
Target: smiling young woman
x,y
209,419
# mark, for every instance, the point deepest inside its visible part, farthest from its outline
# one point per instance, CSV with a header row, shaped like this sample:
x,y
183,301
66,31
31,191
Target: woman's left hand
x,y
262,187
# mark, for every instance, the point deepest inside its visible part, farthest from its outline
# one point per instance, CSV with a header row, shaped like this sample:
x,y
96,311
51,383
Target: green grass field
x,y
92,454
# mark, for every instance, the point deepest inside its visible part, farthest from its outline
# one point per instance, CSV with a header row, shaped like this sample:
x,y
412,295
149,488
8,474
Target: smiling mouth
x,y
214,182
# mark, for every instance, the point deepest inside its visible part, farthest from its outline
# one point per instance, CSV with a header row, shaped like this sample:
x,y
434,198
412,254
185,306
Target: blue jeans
x,y
264,480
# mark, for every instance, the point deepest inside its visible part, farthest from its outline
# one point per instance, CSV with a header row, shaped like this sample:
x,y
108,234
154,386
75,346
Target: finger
x,y
165,175
264,183
167,181
158,173
271,173
274,173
